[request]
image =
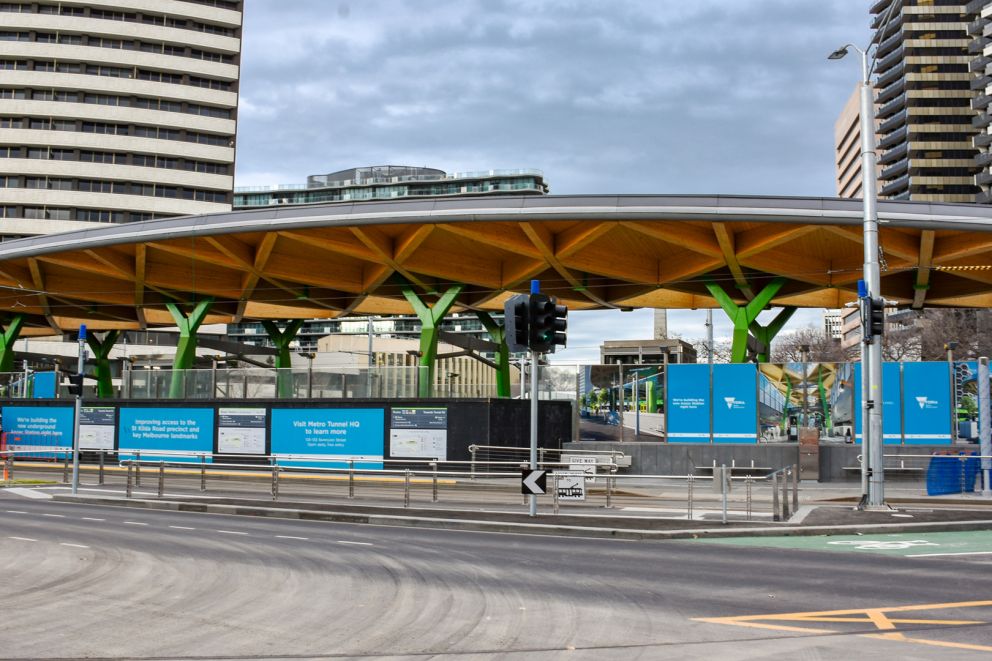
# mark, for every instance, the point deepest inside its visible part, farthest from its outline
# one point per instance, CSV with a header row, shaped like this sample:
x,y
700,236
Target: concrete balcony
x,y
894,138
893,155
983,140
897,169
892,107
894,122
895,187
891,75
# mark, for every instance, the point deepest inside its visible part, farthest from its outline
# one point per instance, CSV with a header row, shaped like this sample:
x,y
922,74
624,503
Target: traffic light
x,y
515,314
874,318
541,323
561,324
76,385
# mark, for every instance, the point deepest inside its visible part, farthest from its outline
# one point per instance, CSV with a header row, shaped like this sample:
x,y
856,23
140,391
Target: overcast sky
x,y
624,96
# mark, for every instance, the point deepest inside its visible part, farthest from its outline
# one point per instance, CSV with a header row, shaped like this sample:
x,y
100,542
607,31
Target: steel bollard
x,y
689,495
161,479
100,473
351,478
137,469
610,478
554,490
203,472
471,450
776,514
9,470
747,490
130,470
275,481
795,488
434,466
65,469
406,488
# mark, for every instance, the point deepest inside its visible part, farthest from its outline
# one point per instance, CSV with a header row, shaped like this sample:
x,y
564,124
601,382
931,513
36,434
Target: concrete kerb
x,y
537,528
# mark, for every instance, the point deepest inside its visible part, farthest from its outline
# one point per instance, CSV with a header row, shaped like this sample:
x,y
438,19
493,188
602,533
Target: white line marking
x,y
182,528
934,555
29,493
15,512
340,541
134,523
90,518
77,546
291,537
232,532
23,539
57,516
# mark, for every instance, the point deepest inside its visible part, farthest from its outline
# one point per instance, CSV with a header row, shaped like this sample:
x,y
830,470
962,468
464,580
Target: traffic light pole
x,y
533,424
79,409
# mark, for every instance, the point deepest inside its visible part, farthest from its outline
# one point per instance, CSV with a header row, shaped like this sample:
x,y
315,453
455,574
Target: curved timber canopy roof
x,y
593,252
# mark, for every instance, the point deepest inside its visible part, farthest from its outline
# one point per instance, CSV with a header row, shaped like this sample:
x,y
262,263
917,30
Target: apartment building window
x,y
10,122
19,65
12,94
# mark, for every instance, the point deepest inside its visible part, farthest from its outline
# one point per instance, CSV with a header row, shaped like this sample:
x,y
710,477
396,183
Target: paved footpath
x,y
970,545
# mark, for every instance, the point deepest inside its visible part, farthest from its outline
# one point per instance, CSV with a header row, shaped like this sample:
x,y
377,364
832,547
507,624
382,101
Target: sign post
x,y
79,410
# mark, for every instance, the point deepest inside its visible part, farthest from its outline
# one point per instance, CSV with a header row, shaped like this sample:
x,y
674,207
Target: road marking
x,y
15,512
134,523
934,555
356,543
23,539
883,545
29,493
232,532
182,528
77,546
881,618
57,516
292,537
90,518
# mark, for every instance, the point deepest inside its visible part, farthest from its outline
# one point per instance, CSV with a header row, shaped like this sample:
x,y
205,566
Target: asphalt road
x,y
79,581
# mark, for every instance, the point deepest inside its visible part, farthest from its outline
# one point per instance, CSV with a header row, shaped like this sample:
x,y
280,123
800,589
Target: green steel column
x,y
8,336
430,317
785,409
497,334
284,359
186,347
101,356
828,424
651,396
744,319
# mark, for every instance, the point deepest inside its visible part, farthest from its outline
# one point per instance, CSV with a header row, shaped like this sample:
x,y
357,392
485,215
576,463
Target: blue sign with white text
x,y
891,403
927,403
44,385
158,429
687,404
33,429
337,434
735,409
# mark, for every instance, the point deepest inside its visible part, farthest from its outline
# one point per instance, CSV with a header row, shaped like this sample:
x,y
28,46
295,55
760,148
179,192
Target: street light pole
x,y
871,352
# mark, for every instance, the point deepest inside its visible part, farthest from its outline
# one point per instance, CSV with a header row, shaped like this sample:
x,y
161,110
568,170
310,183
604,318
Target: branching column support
x,y
430,319
101,357
284,359
186,347
744,320
8,336
497,334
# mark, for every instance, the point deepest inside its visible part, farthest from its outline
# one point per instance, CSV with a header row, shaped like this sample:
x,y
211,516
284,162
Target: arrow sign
x,y
533,482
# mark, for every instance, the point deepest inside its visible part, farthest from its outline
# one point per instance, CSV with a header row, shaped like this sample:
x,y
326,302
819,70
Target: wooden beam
x,y
768,236
393,253
140,255
679,234
959,246
543,240
494,235
37,278
577,237
725,239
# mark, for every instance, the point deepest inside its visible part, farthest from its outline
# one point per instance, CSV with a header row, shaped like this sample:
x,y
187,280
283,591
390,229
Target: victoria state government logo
x,y
734,403
926,402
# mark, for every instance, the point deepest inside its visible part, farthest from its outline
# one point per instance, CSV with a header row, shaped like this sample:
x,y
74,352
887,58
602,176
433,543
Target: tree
x,y
788,347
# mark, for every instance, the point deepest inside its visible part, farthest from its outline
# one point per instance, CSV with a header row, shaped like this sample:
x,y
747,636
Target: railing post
x,y
100,473
275,481
785,494
540,457
471,450
747,498
351,478
161,479
610,477
137,469
203,472
65,468
776,514
130,470
689,498
406,488
554,491
434,466
795,488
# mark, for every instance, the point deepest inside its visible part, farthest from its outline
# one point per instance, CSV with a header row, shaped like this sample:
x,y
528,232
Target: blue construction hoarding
x,y
340,434
926,403
891,403
687,403
735,405
157,429
35,429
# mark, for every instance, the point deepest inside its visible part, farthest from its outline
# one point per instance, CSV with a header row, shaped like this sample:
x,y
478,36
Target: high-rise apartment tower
x,y
116,111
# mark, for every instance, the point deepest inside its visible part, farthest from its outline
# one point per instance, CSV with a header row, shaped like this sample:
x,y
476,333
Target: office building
x,y
924,99
832,324
980,30
384,182
117,111
646,352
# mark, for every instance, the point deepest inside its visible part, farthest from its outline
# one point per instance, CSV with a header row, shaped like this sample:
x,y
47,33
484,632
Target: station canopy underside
x,y
593,252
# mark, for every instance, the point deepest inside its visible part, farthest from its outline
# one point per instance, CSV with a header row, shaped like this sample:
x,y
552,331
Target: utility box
x,y
809,454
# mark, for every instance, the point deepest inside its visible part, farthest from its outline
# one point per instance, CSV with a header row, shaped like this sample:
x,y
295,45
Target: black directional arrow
x,y
533,482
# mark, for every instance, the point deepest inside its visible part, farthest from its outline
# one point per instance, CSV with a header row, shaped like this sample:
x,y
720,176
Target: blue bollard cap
x,y
82,331
535,286
862,289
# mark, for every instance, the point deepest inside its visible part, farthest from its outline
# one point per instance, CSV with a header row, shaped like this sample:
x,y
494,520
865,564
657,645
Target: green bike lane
x,y
975,545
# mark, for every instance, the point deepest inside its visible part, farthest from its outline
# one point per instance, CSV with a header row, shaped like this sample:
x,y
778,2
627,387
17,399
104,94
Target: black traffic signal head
x,y
76,384
876,317
542,323
515,317
560,325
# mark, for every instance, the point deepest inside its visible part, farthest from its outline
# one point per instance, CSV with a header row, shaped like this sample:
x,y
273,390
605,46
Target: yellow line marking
x,y
759,625
879,619
935,643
